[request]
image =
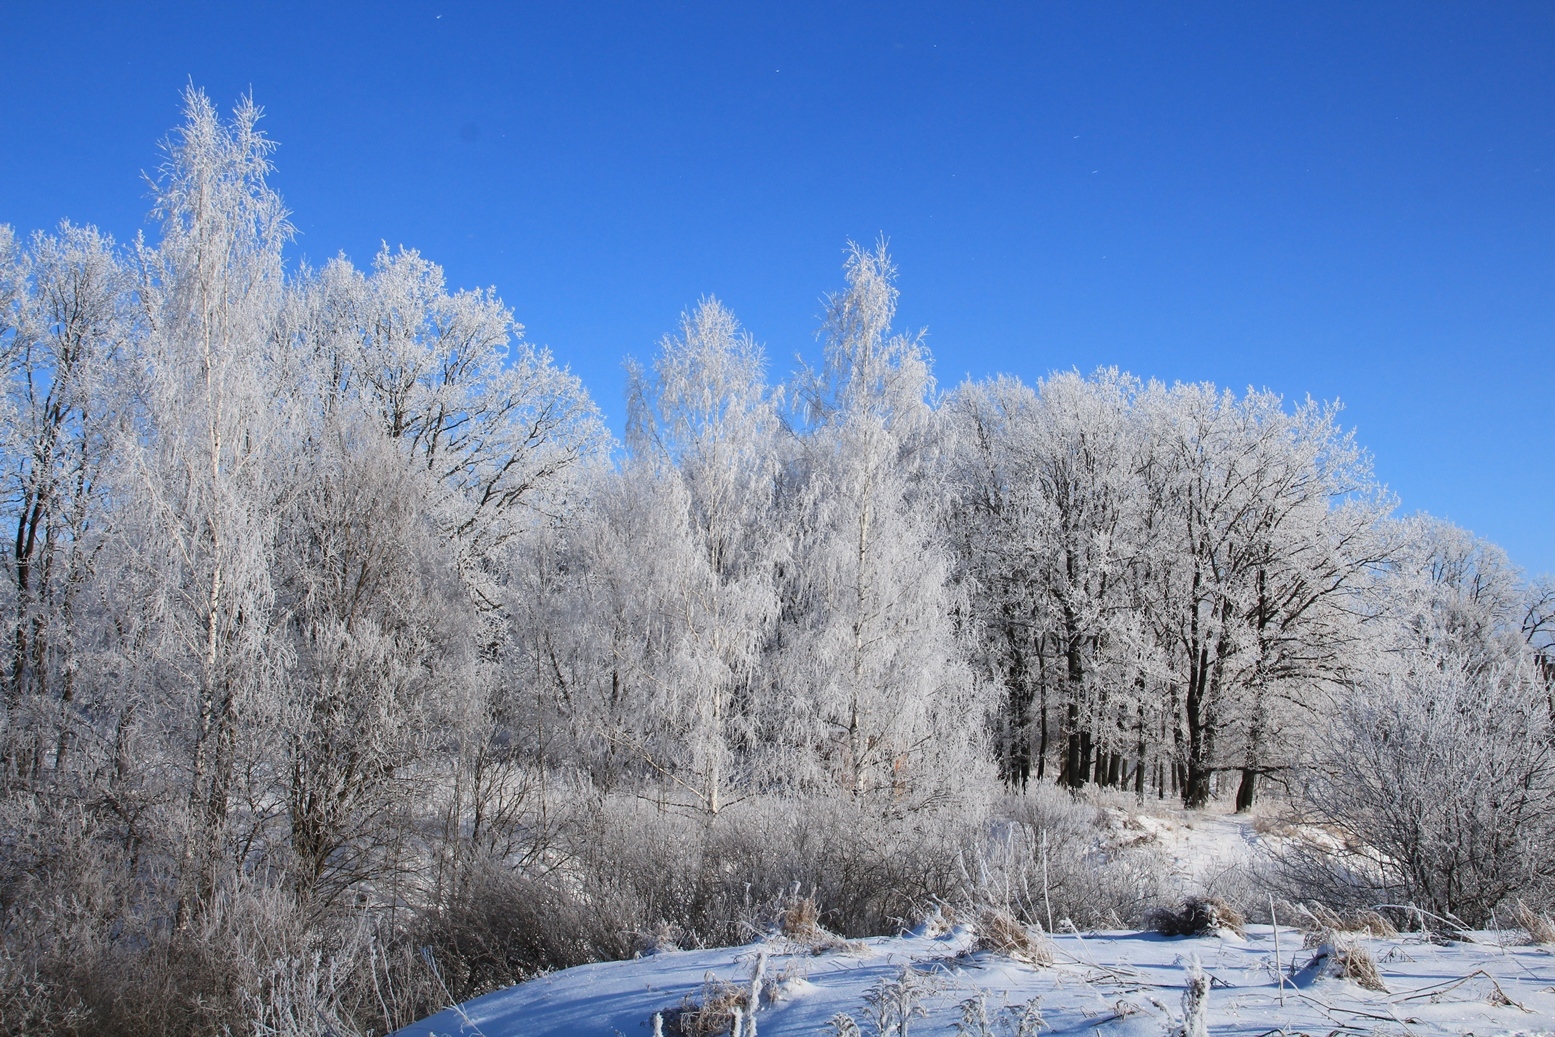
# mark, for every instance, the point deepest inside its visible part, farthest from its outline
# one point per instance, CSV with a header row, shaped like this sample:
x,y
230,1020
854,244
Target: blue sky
x,y
1344,200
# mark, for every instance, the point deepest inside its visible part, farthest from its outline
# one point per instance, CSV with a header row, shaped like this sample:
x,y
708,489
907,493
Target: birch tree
x,y
211,291
704,418
883,700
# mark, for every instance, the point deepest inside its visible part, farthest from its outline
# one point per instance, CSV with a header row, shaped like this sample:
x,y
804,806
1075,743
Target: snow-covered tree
x,y
216,420
67,326
1045,482
435,437
882,699
490,417
1445,589
1264,520
705,422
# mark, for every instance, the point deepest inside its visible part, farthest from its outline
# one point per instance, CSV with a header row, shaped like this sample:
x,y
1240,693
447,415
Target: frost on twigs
x,y
844,1025
999,932
890,1006
1196,916
894,1003
1013,1020
1195,1002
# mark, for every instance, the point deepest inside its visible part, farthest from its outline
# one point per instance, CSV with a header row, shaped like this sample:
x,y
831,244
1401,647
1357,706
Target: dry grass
x,y
800,919
999,932
1319,923
661,938
1372,924
1273,825
1351,961
1539,927
710,1013
1196,916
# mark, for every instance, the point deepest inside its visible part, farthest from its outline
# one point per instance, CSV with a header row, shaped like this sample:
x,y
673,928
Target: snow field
x,y
1109,983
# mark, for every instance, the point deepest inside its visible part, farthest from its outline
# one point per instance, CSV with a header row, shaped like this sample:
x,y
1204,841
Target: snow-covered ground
x,y
1198,844
1107,983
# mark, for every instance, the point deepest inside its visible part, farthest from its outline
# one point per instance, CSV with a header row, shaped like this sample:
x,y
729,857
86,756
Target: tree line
x,y
326,580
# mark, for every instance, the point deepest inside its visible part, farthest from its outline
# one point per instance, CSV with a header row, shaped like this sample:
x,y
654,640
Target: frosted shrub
x,y
625,868
1085,880
1441,776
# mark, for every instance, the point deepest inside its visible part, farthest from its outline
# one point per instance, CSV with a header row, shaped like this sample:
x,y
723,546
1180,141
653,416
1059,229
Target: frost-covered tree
x,y
1262,520
436,437
705,422
490,417
1047,532
882,699
1445,589
66,327
1173,572
208,497
376,627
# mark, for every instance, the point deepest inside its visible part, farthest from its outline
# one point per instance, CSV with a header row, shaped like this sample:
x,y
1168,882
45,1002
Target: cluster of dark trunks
x,y
1028,750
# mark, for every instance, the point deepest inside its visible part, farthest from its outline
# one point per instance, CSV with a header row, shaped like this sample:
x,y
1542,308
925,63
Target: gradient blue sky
x,y
1343,200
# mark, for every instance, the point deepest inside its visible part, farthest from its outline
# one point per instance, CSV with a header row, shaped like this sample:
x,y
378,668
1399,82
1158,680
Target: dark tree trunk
x,y
1198,706
1042,745
1196,790
1139,752
1077,768
1015,762
1246,790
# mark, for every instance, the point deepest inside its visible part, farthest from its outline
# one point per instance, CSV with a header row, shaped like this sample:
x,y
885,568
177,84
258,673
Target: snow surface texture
x,y
1106,982
1199,844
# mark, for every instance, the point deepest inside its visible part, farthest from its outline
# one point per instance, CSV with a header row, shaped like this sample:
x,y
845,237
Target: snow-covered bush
x,y
1047,858
1440,774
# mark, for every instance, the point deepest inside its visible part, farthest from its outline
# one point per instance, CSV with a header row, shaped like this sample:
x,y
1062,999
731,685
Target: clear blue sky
x,y
1347,200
